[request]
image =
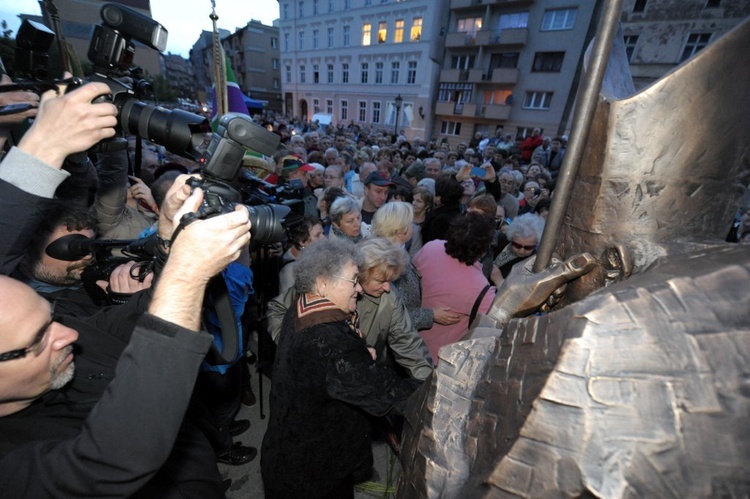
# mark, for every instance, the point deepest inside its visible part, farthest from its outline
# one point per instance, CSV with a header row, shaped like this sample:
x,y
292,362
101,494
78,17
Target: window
x,y
302,74
630,42
275,63
345,35
378,73
330,9
504,60
366,34
365,72
411,73
470,25
548,62
362,111
286,42
455,92
300,40
315,7
537,100
288,71
329,106
416,30
274,43
712,4
301,9
368,2
347,4
316,38
640,5
450,128
516,20
285,11
559,19
695,43
344,110
330,73
395,69
502,97
316,105
316,73
382,32
463,61
345,72
398,32
330,38
276,84
376,112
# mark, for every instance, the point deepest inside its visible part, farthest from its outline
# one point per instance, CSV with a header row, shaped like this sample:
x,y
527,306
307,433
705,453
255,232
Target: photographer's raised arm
x,y
69,123
201,250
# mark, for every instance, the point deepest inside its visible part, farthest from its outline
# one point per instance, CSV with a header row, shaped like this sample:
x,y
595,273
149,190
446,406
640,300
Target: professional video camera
x,y
221,164
76,246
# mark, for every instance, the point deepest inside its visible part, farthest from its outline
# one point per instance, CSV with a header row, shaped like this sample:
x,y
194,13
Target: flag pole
x,y
220,83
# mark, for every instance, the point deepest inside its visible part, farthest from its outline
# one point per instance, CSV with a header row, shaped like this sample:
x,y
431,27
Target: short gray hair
x,y
381,257
323,260
341,207
527,225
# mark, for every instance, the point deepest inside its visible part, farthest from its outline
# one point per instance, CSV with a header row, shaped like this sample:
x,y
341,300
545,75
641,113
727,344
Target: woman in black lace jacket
x,y
325,383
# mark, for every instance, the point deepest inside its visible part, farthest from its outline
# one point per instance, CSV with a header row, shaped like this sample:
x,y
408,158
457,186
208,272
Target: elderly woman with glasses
x,y
346,220
326,385
524,234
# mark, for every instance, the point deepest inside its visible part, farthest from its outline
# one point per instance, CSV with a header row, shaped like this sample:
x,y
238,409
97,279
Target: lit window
x,y
382,32
559,19
497,97
366,34
695,43
398,35
537,100
470,25
416,30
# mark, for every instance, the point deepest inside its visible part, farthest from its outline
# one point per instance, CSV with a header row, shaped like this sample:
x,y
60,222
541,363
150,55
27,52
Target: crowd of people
x,y
124,377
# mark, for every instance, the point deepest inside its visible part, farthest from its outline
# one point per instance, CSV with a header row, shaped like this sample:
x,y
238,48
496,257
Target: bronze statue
x,y
638,383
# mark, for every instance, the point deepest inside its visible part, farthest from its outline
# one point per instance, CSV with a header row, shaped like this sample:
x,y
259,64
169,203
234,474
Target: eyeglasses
x,y
354,281
521,246
20,353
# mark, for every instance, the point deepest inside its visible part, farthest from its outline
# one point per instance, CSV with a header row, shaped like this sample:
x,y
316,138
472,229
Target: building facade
x,y
179,73
510,64
660,34
349,60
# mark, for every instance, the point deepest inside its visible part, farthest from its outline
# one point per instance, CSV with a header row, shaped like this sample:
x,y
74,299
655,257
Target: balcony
x,y
504,76
461,76
508,36
460,39
455,109
494,111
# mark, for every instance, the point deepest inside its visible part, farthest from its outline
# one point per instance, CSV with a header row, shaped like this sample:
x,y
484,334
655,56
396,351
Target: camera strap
x,y
219,292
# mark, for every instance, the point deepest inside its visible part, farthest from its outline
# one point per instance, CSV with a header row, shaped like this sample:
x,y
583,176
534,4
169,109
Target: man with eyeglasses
x,y
97,409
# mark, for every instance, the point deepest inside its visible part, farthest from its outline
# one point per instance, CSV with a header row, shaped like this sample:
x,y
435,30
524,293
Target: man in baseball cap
x,y
376,193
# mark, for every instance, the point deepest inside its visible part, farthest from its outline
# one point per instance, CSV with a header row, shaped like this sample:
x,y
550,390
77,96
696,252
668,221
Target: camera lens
x,y
267,222
179,131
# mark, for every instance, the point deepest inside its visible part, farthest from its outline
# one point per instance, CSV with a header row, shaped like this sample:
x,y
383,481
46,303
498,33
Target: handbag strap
x,y
475,308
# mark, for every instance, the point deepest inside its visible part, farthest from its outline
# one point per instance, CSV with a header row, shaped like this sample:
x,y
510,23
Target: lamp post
x,y
399,101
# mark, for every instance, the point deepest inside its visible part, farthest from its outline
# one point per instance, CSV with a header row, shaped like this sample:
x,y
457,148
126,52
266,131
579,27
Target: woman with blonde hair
x,y
394,221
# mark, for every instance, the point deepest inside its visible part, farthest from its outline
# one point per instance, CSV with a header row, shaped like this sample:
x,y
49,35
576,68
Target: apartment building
x,y
352,59
660,34
510,64
179,73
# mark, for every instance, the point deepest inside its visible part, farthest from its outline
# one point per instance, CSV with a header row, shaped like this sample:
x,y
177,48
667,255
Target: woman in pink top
x,y
452,276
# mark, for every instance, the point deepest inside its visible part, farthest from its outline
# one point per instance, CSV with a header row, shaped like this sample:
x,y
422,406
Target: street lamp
x,y
399,101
